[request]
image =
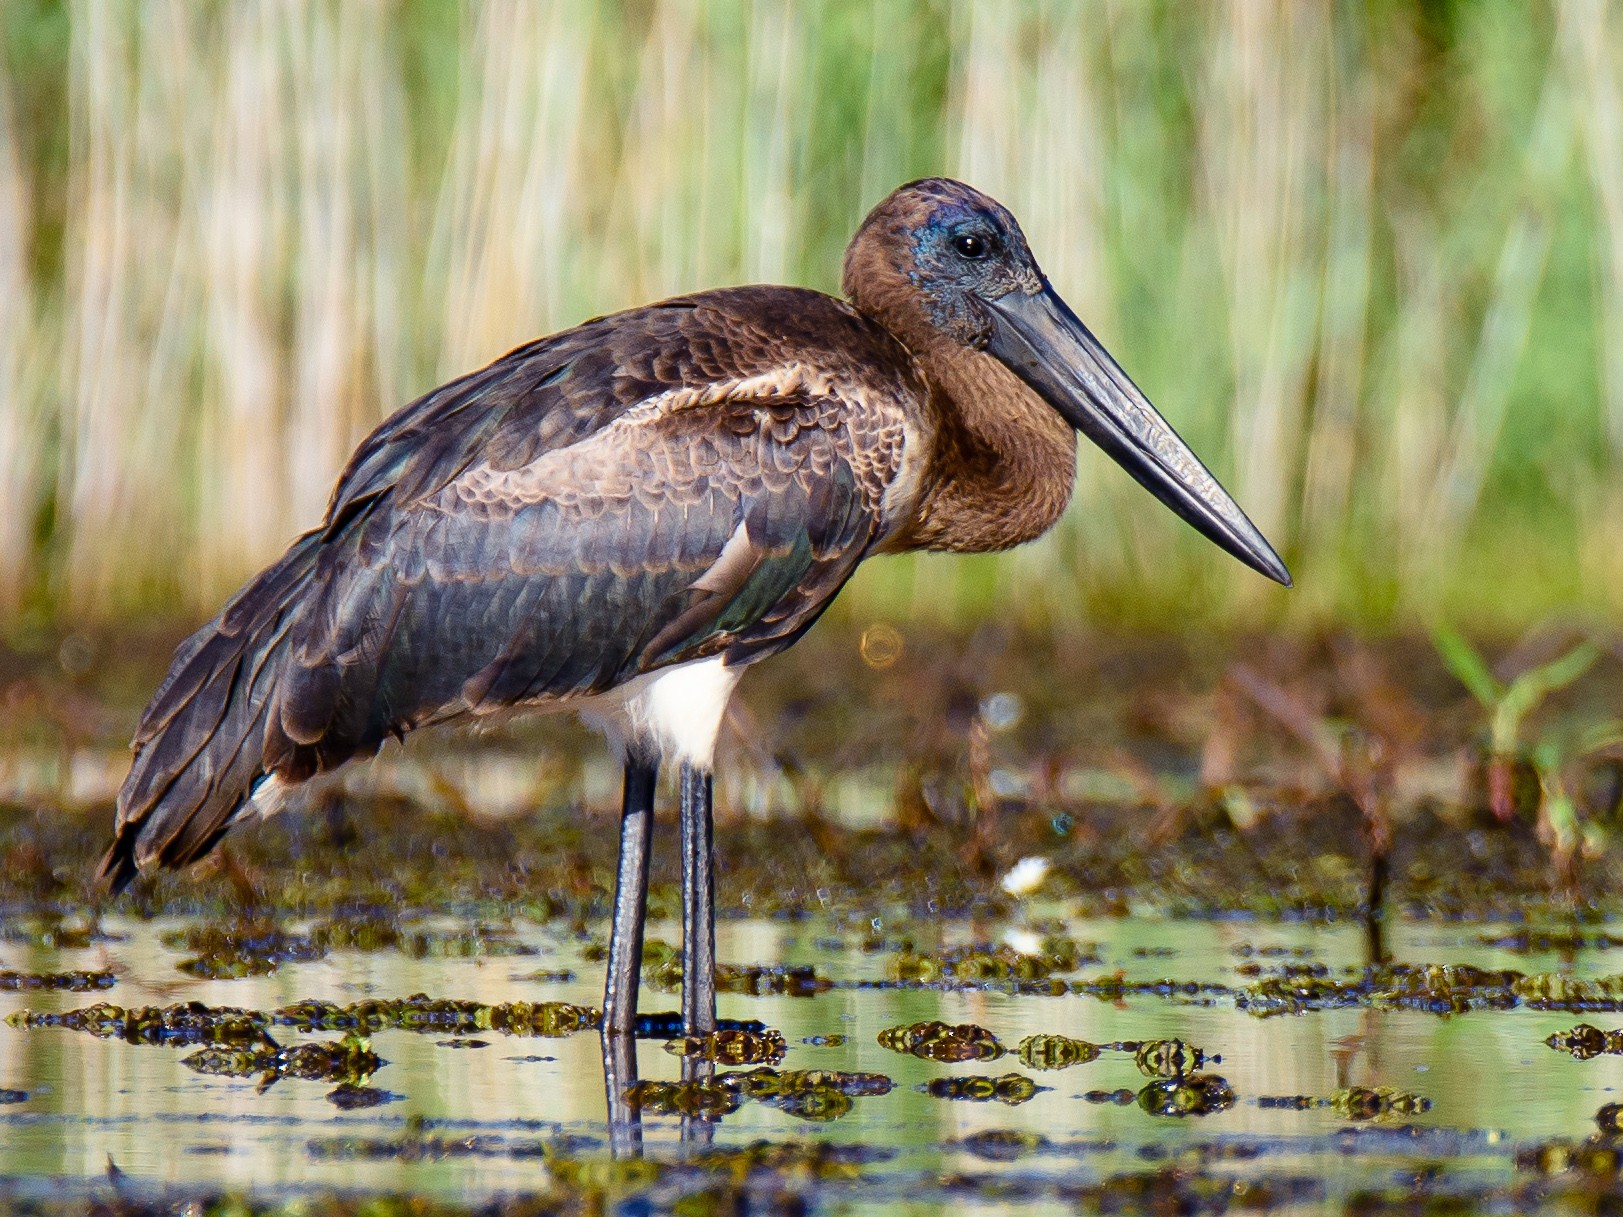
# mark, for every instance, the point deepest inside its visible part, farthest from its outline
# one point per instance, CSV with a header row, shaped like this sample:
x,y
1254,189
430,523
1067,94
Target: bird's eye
x,y
970,246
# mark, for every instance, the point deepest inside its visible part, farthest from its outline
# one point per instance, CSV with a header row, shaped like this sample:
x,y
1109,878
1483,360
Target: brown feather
x,y
697,477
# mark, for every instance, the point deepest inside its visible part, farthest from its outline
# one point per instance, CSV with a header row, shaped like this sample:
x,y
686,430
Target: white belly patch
x,y
675,712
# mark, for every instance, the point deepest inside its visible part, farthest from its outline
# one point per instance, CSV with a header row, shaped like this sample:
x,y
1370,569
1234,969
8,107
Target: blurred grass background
x,y
1368,257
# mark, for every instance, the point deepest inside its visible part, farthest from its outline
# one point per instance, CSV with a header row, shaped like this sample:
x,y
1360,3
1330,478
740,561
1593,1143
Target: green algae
x,y
183,1024
1431,988
1377,1102
727,1173
820,1160
557,865
1171,1058
1161,1058
732,1047
1300,994
1118,987
232,952
982,965
768,1083
46,927
707,1098
64,982
1597,1159
817,1106
1585,1041
1060,1157
351,1096
1535,941
1302,852
1055,1052
815,1095
1193,1094
1010,1089
379,933
1120,1097
193,1022
885,930
938,1041
347,1062
425,1015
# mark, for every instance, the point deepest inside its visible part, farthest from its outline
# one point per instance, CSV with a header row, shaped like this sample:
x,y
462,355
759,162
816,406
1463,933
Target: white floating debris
x,y
1026,876
1024,941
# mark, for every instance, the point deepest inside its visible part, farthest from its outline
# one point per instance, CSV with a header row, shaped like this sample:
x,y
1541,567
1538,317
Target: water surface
x,y
477,1115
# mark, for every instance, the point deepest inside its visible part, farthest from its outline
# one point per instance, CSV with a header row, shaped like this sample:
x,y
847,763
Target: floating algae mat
x,y
1125,1064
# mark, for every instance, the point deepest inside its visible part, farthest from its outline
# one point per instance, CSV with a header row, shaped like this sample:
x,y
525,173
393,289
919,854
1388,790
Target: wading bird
x,y
621,518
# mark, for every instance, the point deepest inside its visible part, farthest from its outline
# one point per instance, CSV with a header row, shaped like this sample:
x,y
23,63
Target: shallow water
x,y
1492,1084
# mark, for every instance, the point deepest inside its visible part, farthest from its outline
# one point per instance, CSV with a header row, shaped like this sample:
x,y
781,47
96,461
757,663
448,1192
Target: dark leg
x,y
698,1130
630,896
698,905
620,1073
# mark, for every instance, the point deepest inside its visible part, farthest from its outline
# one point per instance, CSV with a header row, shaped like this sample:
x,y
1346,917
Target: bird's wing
x,y
649,489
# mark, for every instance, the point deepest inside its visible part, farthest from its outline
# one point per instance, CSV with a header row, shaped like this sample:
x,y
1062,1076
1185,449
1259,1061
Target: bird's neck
x,y
1003,462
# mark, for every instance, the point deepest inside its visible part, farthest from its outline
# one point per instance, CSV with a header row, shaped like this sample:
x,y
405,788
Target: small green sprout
x,y
1508,705
1556,756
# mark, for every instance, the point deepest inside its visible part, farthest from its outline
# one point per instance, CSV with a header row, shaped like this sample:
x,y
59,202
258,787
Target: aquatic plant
x,y
67,982
234,952
420,1013
1194,1094
1558,757
1167,1058
1433,988
1011,1089
732,1047
348,1062
184,1024
709,1098
1377,1102
1585,1041
1055,1052
193,1022
817,1095
938,1041
980,965
257,948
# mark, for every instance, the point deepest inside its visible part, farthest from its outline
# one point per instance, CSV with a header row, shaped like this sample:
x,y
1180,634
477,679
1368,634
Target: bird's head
x,y
938,262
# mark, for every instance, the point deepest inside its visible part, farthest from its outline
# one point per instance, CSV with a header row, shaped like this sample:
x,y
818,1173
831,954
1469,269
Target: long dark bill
x,y
1045,344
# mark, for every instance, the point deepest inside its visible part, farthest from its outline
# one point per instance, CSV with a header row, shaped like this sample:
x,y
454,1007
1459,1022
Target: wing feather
x,y
632,493
695,478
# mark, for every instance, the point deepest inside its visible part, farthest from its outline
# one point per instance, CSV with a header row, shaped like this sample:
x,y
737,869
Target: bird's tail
x,y
199,748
